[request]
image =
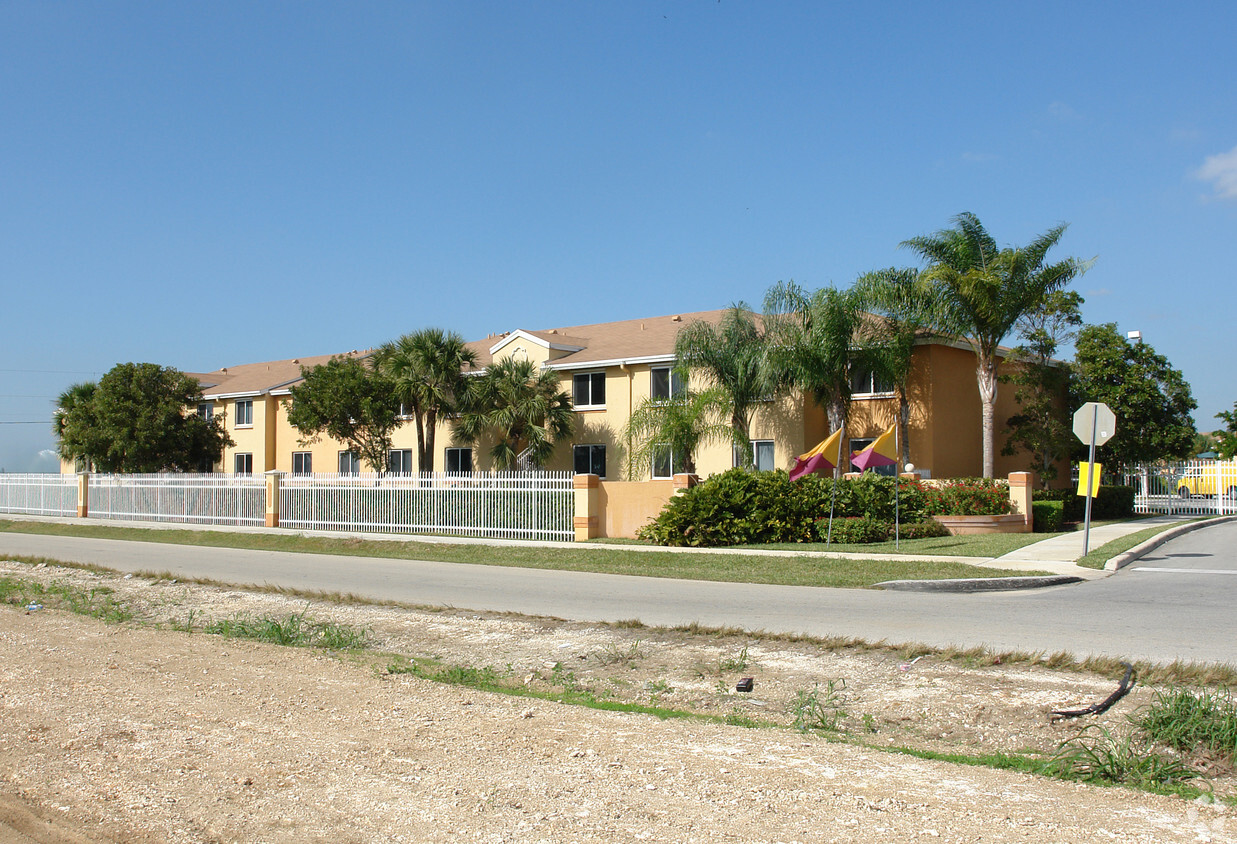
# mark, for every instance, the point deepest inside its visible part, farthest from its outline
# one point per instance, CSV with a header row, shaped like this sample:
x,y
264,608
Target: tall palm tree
x,y
75,426
524,408
732,356
909,308
428,368
985,290
813,343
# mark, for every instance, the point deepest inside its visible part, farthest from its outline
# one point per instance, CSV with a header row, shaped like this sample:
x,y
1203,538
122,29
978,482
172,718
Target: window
x,y
589,390
244,464
666,463
666,384
459,459
590,460
302,463
858,444
244,413
399,461
762,455
349,463
865,382
206,410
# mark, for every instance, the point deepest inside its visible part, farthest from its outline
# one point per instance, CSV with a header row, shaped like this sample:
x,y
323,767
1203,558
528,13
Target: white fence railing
x,y
190,499
39,495
1189,488
503,505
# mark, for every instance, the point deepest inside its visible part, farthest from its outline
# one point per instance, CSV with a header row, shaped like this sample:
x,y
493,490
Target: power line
x,y
36,422
54,371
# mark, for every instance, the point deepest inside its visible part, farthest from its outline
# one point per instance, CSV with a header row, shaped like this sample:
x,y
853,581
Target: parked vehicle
x,y
1201,480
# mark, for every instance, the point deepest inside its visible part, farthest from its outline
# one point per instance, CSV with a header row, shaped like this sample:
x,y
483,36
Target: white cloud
x,y
1221,171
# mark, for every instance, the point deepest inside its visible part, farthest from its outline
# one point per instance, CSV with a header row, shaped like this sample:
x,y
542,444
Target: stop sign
x,y
1097,417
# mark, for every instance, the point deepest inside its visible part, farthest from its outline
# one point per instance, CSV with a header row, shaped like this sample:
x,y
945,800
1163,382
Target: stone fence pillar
x,y
273,479
83,494
588,500
1020,496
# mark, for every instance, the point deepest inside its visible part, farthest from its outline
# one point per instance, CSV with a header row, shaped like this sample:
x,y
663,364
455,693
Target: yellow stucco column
x,y
588,501
1020,496
83,494
272,497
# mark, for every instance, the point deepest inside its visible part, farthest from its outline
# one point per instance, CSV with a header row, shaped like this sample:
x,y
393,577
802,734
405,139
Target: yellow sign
x,y
1087,476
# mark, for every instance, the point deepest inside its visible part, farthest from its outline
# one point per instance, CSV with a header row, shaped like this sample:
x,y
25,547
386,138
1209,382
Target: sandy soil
x,y
143,733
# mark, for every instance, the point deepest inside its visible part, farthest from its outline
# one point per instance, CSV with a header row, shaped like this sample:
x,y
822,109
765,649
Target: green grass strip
x,y
1097,558
786,570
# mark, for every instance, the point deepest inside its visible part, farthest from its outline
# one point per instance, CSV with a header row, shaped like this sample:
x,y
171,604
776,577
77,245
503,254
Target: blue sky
x,y
201,185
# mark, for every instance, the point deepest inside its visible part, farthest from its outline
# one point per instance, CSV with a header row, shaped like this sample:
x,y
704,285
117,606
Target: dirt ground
x,y
144,733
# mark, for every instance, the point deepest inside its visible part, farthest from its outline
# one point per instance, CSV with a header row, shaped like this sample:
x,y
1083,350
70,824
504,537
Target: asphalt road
x,y
1177,603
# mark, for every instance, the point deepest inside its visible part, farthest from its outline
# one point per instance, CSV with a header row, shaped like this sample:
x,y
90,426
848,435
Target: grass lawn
x,y
736,568
1099,556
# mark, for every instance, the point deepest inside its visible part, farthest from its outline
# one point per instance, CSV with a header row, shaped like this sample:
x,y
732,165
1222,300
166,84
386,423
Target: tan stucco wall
x,y
626,506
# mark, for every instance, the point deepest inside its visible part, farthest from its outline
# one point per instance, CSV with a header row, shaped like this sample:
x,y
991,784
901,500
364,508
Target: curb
x,y
1126,557
979,584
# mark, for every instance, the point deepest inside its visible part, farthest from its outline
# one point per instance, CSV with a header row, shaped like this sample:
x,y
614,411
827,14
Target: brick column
x,y
588,498
272,498
1020,496
683,482
83,494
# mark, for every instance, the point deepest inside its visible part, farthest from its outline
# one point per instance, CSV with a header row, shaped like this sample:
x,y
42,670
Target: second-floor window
x,y
244,413
588,390
865,382
666,384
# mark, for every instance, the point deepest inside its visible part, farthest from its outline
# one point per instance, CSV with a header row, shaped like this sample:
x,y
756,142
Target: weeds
x,y
726,665
97,602
295,630
1095,755
616,654
1191,721
820,708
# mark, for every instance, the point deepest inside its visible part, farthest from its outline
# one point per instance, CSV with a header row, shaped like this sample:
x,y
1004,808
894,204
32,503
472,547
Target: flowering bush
x,y
969,497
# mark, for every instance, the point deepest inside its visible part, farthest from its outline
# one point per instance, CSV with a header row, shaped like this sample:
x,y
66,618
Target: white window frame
x,y
590,446
858,444
871,391
757,447
306,457
405,461
206,410
349,459
660,455
243,457
459,452
676,384
247,416
592,377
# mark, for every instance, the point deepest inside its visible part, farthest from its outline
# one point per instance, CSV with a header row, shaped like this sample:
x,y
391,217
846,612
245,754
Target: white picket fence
x,y
39,495
207,499
499,505
1188,488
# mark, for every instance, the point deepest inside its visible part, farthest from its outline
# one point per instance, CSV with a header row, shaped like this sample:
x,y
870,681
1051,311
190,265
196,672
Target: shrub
x,y
854,530
1112,502
922,530
969,497
1048,516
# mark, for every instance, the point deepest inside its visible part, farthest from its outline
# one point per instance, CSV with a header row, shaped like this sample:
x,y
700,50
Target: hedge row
x,y
1113,502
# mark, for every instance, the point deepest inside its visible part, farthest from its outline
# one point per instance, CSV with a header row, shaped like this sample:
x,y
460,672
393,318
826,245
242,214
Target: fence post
x,y
684,481
83,494
1020,496
273,478
587,494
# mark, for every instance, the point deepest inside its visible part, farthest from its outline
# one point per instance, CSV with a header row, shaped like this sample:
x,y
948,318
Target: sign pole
x,y
1086,530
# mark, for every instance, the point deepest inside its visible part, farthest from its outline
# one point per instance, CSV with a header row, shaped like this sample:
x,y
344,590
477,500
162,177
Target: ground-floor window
x,y
399,461
302,463
459,459
590,460
858,444
349,463
244,464
762,455
666,463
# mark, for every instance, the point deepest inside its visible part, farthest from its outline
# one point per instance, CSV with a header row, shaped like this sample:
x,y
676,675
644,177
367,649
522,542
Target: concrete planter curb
x,y
1143,548
967,525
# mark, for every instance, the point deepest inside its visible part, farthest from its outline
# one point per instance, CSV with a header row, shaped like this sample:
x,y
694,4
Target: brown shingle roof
x,y
259,378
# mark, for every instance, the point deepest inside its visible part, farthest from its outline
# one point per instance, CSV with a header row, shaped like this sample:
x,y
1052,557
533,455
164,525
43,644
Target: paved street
x,y
1176,603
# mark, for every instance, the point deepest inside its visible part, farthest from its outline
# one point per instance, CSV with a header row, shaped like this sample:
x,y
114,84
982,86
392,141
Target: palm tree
x,y
427,367
909,308
813,343
74,424
523,406
731,356
985,291
677,427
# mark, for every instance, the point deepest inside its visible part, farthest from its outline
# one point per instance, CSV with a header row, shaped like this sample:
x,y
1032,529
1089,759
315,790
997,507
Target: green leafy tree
x,y
1043,426
909,307
676,427
1226,440
139,418
427,368
349,401
986,290
731,356
523,407
1151,400
812,344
